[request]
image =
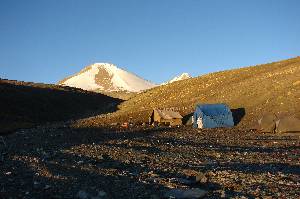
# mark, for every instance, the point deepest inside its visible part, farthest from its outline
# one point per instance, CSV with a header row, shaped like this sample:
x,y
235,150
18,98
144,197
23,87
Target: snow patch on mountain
x,y
85,80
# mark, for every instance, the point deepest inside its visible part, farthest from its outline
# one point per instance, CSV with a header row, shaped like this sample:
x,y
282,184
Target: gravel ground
x,y
58,161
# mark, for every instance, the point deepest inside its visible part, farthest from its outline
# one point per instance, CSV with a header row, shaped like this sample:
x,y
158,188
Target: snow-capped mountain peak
x,y
183,76
106,77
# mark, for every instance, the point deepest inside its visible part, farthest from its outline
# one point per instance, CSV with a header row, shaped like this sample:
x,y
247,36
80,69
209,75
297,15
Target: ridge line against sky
x,y
47,40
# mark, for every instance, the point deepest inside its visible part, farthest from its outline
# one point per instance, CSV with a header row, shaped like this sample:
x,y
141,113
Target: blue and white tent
x,y
212,116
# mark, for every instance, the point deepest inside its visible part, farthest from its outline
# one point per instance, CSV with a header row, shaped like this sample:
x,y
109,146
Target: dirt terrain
x,y
58,161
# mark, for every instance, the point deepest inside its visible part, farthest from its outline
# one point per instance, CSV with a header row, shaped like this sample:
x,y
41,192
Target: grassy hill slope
x,y
24,104
267,88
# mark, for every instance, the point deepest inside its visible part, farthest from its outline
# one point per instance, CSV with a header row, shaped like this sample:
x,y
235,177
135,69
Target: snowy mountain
x,y
183,76
106,77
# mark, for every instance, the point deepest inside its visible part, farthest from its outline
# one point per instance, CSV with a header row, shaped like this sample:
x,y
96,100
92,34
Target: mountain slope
x,y
24,104
106,77
267,88
183,76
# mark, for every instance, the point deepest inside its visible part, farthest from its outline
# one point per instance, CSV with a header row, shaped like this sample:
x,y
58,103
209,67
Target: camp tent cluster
x,y
205,116
220,115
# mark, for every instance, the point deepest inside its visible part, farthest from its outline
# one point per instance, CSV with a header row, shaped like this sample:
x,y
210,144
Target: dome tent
x,y
212,116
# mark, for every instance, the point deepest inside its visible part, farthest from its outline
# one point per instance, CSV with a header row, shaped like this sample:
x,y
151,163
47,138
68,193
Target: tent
x,y
212,116
165,117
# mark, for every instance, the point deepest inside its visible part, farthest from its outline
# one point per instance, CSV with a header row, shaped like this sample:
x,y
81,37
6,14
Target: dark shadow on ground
x,y
25,104
187,119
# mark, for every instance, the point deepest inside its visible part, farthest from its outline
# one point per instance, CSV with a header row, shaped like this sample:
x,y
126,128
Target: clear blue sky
x,y
46,40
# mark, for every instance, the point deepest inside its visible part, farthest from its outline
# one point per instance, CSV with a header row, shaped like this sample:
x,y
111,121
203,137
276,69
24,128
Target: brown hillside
x,y
24,104
273,87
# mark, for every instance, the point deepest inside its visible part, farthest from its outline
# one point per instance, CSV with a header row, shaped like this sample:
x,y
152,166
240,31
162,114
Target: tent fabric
x,y
212,116
287,124
168,114
267,123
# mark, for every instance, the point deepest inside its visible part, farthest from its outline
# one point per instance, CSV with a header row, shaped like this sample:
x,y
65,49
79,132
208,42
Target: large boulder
x,y
287,124
267,123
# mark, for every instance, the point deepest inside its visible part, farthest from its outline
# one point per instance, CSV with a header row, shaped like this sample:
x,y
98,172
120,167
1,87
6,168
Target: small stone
x,y
101,194
223,194
100,157
36,185
184,181
47,187
199,178
127,162
154,196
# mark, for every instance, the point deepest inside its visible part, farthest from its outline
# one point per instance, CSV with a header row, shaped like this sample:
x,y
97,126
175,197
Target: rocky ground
x,y
59,161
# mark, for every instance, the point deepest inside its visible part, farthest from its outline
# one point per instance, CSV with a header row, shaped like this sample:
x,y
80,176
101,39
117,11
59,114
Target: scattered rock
x,y
82,195
101,194
223,194
36,185
47,187
250,163
198,178
184,181
185,193
154,196
8,173
195,176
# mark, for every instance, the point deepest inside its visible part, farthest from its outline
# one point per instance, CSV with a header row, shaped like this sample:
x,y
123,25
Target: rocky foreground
x,y
63,162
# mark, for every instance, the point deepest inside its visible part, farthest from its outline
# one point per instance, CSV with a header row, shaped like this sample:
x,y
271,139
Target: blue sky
x,y
46,40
